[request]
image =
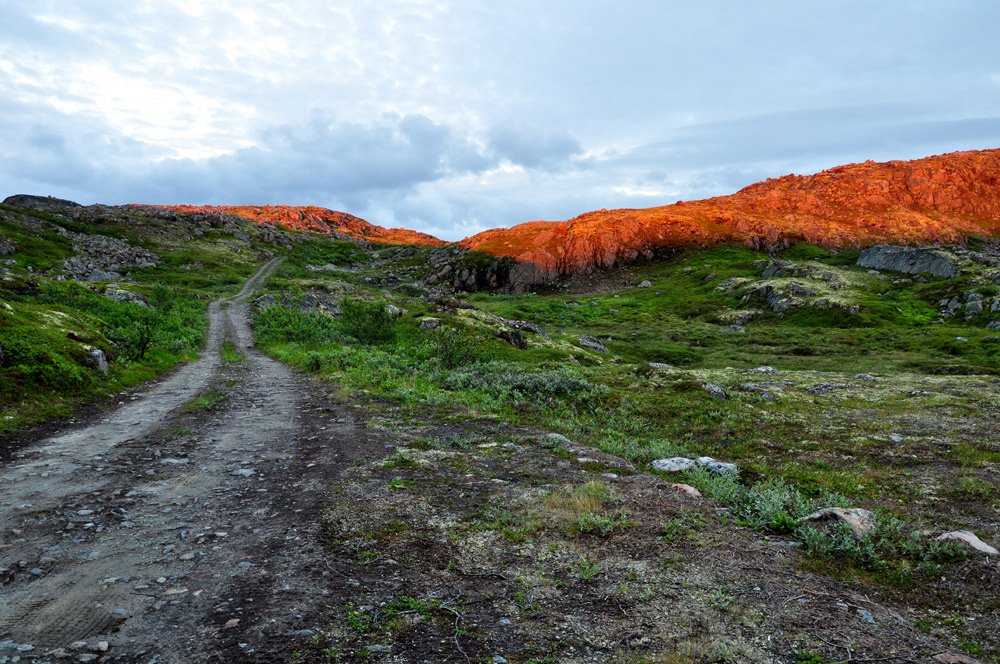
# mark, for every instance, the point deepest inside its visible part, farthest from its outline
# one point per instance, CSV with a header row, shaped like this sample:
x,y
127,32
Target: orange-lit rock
x,y
314,220
937,199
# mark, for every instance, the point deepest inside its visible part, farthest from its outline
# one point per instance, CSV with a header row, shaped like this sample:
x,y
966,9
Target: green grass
x,y
620,405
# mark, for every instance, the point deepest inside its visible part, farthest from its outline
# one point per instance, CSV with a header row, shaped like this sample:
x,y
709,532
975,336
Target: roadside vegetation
x,y
64,342
869,402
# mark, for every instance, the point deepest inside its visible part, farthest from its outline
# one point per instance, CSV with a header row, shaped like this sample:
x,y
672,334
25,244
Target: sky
x,y
451,117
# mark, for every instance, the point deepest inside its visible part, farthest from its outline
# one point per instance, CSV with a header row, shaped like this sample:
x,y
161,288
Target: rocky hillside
x,y
311,219
937,199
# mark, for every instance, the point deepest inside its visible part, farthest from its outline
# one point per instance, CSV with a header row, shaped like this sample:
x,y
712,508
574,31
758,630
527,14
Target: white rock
x,y
970,538
860,520
673,465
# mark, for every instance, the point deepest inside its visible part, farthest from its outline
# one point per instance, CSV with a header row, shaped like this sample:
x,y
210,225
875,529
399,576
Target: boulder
x,y
98,360
861,521
6,248
514,338
717,467
430,324
591,343
555,440
733,329
714,390
908,260
119,295
826,388
526,326
993,325
673,465
970,539
660,365
645,283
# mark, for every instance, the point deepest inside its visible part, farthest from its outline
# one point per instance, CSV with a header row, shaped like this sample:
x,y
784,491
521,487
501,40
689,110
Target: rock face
x,y
39,202
907,260
309,218
104,258
937,199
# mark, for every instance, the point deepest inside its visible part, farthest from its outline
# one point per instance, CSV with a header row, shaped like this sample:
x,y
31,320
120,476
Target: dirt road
x,y
137,538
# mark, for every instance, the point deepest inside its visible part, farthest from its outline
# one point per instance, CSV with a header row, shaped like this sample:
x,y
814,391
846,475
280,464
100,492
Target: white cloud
x,y
452,117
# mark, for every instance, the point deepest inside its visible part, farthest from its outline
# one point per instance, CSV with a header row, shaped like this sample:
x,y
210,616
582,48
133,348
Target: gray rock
x,y
673,465
591,343
868,378
826,388
555,440
39,202
733,329
379,648
119,295
6,249
242,472
660,365
97,359
907,260
430,324
717,467
973,308
993,325
866,616
526,326
515,338
765,370
714,390
645,283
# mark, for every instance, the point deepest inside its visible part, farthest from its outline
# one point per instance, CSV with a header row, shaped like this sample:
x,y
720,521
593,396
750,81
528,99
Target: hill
x,y
312,219
943,198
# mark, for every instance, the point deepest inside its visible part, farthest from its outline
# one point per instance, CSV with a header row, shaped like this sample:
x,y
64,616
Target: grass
x,y
620,405
49,328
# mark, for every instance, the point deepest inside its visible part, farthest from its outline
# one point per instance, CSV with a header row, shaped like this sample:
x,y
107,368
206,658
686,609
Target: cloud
x,y
533,148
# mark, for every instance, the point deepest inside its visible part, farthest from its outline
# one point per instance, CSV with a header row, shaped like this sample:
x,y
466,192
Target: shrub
x,y
369,322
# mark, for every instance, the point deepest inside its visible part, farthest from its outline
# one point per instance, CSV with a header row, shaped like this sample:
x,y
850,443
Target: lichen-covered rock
x,y
908,260
592,343
714,390
430,324
861,521
120,295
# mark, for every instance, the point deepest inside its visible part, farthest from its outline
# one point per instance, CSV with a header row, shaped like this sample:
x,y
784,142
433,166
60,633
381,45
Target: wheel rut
x,y
135,538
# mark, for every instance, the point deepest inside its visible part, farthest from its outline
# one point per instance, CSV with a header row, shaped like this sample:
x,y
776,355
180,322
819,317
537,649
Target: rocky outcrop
x,y
39,202
306,218
938,199
908,260
104,258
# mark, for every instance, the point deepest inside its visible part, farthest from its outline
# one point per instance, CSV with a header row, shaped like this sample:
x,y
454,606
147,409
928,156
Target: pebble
x,y
866,616
243,472
497,659
187,556
505,621
379,648
245,564
161,579
36,571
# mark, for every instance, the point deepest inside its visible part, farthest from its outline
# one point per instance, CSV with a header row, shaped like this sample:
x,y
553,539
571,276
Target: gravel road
x,y
172,529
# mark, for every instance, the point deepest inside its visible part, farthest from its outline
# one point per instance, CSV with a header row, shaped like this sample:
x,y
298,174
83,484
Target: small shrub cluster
x,y
895,547
513,383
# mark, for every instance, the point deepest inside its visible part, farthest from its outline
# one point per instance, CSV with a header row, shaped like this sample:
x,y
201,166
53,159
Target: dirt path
x,y
135,539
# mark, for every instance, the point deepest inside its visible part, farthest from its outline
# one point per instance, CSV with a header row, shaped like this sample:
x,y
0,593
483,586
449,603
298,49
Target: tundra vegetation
x,y
837,386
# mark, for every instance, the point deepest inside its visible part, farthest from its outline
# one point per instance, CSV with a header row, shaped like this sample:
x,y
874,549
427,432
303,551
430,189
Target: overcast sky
x,y
455,116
